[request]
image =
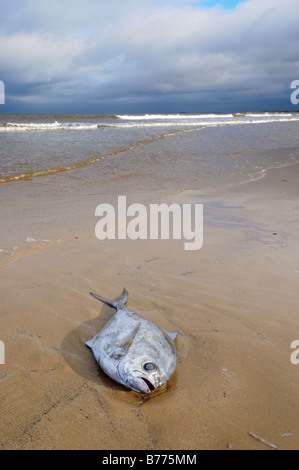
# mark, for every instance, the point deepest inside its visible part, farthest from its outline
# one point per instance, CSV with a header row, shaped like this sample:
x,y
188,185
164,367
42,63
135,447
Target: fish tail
x,y
118,303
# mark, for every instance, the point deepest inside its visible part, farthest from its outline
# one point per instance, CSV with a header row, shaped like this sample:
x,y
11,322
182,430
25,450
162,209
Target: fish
x,y
133,350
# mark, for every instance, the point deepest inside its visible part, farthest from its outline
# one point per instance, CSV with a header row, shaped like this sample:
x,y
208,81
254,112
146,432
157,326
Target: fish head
x,y
143,374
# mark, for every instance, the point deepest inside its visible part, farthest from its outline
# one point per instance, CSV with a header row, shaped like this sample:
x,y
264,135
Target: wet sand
x,y
234,302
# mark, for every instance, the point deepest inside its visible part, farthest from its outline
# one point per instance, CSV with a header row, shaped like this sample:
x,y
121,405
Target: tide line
x,y
52,171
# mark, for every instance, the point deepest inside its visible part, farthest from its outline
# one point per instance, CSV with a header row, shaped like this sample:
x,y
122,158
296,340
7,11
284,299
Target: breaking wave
x,y
86,123
42,126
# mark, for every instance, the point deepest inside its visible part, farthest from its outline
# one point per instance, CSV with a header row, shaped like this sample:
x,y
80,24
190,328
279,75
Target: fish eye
x,y
149,366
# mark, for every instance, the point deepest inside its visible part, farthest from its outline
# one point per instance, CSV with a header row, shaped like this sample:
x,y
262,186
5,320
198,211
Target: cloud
x,y
131,53
37,57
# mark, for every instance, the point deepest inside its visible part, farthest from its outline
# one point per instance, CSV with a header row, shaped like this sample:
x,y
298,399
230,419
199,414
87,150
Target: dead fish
x,y
133,350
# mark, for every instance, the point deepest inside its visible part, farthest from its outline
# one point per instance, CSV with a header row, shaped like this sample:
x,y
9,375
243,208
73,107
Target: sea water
x,y
56,169
36,145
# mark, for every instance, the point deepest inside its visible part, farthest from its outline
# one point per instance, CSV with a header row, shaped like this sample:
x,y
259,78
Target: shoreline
x,y
45,244
234,303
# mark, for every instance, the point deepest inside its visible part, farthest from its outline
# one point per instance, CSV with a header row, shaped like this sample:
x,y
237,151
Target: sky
x,y
148,56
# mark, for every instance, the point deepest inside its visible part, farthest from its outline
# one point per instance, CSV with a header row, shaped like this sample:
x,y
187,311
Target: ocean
x,y
56,169
40,145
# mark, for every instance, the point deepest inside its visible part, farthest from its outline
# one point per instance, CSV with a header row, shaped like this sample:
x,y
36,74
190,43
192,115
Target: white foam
x,y
17,127
155,120
139,117
199,123
273,114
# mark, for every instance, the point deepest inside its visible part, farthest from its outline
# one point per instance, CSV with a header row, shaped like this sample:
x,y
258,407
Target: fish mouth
x,y
149,384
143,385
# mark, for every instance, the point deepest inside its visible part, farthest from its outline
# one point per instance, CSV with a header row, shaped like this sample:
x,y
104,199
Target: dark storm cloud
x,y
151,55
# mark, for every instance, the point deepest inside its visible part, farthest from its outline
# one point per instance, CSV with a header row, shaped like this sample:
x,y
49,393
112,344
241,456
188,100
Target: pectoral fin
x,y
173,335
89,343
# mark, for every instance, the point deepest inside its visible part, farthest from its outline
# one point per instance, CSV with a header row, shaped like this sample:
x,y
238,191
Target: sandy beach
x,y
234,302
173,128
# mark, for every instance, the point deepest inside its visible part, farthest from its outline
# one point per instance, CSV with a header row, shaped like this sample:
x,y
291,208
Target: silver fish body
x,y
133,350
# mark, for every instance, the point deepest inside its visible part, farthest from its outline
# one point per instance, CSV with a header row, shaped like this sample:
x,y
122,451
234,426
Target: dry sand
x,y
234,302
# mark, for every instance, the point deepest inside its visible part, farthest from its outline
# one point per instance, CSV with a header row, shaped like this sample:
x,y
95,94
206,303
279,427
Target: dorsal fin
x,y
119,303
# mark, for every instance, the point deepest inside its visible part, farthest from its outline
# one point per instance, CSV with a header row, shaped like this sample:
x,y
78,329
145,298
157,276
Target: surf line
x,y
42,246
52,171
